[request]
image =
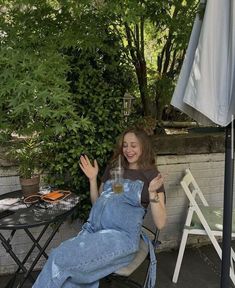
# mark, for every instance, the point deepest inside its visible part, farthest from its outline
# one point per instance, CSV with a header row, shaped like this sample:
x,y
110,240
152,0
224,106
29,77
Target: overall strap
x,y
153,261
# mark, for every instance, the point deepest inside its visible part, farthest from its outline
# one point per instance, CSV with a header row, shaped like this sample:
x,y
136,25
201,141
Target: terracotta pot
x,y
30,186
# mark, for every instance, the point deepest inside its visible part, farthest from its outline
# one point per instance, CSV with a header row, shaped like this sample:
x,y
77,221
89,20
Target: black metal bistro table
x,y
25,217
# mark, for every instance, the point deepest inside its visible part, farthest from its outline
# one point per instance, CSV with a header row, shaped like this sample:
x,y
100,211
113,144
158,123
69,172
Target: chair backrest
x,y
192,190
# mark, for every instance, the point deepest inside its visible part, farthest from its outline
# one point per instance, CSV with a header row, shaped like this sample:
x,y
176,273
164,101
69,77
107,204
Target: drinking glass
x,y
117,179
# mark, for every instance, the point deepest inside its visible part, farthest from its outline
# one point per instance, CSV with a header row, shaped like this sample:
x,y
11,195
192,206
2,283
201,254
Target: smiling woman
x,y
139,141
131,150
138,160
110,238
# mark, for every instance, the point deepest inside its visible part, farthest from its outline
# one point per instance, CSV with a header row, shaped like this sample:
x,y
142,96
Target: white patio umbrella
x,y
206,92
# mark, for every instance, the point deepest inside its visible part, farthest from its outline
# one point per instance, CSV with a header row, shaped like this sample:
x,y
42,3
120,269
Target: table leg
x,y
27,273
7,245
35,241
55,229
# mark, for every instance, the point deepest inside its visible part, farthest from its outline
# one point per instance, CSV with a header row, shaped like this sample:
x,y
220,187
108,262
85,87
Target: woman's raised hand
x,y
91,171
156,183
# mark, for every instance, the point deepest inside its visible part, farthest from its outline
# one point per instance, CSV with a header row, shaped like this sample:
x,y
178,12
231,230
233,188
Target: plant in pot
x,y
27,154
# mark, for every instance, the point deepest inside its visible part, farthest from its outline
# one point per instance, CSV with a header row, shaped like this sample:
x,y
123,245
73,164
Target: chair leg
x,y
180,255
232,274
219,252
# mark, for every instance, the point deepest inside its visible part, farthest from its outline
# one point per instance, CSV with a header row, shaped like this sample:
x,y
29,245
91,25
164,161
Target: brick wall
x,y
9,179
208,170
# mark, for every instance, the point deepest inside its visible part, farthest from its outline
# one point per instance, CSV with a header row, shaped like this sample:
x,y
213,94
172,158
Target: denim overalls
x,y
107,242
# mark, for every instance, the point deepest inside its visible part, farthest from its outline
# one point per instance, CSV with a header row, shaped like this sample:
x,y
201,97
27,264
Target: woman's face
x,y
131,150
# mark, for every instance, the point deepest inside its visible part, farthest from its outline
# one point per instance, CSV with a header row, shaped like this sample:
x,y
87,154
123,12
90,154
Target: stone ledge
x,y
185,144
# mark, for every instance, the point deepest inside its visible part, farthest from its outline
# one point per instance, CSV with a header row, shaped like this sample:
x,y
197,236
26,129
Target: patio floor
x,y
200,268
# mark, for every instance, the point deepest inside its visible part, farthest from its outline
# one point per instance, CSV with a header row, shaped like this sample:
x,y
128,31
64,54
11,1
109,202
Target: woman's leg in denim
x,y
87,258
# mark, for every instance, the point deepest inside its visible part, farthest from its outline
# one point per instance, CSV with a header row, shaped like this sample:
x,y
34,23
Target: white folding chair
x,y
201,220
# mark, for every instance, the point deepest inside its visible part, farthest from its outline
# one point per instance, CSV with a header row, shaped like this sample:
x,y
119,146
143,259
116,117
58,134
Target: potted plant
x,y
27,153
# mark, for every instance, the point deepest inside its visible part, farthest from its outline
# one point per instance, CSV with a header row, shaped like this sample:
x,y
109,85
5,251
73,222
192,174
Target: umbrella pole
x,y
228,206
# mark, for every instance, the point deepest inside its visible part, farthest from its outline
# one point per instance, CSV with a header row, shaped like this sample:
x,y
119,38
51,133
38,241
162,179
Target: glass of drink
x,y
117,179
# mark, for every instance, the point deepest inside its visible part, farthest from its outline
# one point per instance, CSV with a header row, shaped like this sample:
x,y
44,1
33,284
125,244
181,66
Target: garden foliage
x,y
65,66
62,86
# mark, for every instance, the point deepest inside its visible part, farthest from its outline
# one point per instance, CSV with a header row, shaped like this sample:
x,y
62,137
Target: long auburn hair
x,y
146,159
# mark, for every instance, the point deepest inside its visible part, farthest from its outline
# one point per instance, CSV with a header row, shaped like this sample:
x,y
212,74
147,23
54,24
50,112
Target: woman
x,y
110,238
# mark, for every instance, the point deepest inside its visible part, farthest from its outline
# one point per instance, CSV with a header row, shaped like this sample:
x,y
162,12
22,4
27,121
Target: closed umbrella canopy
x,y
205,89
206,92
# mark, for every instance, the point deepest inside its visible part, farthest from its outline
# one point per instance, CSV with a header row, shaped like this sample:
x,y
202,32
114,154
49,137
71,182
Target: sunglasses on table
x,y
51,197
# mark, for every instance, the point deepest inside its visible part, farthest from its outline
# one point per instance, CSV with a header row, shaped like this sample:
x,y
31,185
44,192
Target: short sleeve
x,y
149,176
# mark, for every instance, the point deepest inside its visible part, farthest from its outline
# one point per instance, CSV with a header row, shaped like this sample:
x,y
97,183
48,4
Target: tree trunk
x,y
136,47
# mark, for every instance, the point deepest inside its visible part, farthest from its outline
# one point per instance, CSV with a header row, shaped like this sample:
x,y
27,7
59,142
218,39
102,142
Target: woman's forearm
x,y
94,193
157,201
91,171
159,211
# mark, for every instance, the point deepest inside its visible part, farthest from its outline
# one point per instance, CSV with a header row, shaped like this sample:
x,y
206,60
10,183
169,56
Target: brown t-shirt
x,y
144,175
